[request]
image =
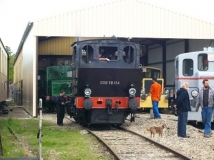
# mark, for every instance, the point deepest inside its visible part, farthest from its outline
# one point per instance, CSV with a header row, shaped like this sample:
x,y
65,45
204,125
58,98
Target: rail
x,y
180,155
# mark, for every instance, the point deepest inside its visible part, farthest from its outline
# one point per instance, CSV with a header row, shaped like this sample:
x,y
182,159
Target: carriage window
x,y
87,54
108,52
128,54
155,73
176,67
202,62
187,67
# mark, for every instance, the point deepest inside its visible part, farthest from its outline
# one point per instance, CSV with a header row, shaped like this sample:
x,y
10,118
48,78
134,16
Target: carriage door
x,y
176,73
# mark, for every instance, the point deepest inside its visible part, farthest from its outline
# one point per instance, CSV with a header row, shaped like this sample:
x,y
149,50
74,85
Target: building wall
x,y
198,44
121,20
18,71
155,56
173,48
59,45
56,46
29,68
3,72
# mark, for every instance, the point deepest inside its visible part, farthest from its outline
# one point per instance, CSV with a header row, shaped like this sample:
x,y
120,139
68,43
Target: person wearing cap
x,y
155,91
60,106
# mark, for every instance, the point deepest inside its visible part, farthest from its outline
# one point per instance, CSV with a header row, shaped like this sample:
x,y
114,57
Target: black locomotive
x,y
106,81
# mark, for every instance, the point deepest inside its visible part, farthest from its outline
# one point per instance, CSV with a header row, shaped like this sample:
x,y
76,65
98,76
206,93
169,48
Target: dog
x,y
156,129
152,131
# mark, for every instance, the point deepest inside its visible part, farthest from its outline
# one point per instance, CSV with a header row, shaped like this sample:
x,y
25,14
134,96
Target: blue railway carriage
x,y
194,67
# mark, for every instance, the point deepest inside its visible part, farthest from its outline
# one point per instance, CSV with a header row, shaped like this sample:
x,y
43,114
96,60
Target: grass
x,y
58,143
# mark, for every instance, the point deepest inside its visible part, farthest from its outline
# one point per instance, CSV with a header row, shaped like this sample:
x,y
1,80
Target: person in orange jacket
x,y
155,91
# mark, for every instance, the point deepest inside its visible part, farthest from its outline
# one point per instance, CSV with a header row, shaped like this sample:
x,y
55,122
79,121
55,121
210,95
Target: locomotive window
x,y
187,67
108,52
202,62
155,73
87,54
128,55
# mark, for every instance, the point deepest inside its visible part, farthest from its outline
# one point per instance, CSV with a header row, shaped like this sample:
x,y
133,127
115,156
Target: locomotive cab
x,y
106,81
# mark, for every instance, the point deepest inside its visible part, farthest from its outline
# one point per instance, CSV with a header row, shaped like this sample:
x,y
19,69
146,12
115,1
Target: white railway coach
x,y
194,67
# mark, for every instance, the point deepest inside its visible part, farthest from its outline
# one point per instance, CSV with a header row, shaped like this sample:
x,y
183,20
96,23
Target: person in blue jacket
x,y
182,105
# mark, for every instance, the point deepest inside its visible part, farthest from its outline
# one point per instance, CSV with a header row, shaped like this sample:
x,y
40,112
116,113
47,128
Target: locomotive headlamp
x,y
132,91
87,92
142,91
194,93
143,95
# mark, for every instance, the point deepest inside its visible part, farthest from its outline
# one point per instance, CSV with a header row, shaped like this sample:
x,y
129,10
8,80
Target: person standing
x,y
60,106
155,91
182,105
205,100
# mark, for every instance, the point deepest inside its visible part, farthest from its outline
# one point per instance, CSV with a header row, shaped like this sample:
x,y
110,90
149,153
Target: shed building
x,y
162,33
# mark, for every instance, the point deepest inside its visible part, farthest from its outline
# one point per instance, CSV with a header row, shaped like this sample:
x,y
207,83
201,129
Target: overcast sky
x,y
15,14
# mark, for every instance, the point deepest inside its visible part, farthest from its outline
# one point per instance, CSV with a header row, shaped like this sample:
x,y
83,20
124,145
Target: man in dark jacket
x,y
182,105
60,106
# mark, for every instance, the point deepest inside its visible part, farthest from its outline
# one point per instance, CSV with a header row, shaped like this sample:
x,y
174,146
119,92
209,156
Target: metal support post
x,y
40,129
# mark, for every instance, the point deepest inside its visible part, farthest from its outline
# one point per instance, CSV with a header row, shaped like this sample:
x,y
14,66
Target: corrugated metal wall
x,y
124,18
199,44
56,46
3,60
18,71
18,79
3,72
172,50
155,56
59,45
30,101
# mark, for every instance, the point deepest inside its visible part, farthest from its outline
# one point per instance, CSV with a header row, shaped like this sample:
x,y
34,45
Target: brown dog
x,y
152,131
156,129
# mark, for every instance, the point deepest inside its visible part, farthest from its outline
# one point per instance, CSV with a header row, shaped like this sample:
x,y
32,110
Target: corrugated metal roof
x,y
125,18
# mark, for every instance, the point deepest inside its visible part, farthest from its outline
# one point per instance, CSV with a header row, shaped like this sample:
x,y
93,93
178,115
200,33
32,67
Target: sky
x,y
15,14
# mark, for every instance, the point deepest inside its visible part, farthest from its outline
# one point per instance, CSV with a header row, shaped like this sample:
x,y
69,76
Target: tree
x,y
8,50
11,55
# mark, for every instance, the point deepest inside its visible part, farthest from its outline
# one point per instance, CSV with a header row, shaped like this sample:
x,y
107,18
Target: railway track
x,y
125,144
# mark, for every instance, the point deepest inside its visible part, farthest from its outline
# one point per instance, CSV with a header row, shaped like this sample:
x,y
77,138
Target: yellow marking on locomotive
x,y
163,103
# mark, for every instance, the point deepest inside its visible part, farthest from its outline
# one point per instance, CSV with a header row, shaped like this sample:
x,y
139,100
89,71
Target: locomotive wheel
x,y
85,119
118,124
76,119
